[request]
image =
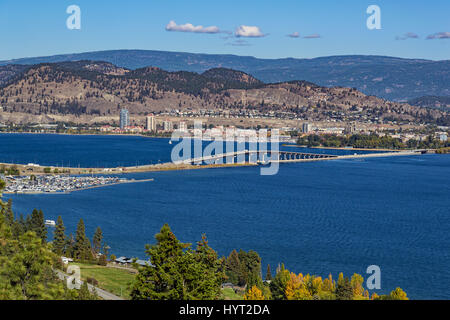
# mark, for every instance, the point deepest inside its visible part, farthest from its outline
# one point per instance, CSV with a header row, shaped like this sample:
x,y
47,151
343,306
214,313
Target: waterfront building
x,y
183,127
151,123
168,126
351,128
305,127
124,118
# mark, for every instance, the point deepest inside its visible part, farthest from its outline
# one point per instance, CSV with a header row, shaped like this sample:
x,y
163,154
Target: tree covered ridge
x,y
27,261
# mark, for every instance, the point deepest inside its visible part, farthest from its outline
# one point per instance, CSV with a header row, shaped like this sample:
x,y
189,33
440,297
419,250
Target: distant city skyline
x,y
266,29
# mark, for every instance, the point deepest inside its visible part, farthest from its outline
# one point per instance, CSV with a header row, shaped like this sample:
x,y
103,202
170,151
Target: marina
x,y
60,183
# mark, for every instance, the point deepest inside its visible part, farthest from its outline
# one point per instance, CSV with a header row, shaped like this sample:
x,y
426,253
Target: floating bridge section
x,y
268,156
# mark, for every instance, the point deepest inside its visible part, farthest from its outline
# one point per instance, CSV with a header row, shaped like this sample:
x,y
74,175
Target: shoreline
x,y
89,134
119,170
26,170
347,149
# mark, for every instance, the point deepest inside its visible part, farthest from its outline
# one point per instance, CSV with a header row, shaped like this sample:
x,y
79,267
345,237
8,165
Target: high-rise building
x,y
351,128
182,127
305,127
124,118
151,122
168,126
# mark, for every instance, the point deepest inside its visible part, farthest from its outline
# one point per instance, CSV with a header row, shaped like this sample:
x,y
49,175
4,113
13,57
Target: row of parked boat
x,y
56,184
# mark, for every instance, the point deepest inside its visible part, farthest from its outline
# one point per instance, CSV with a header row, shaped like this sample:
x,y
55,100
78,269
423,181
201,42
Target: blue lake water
x,y
320,218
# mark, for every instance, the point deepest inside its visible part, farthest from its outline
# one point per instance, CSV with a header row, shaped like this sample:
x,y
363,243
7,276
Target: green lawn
x,y
114,280
229,294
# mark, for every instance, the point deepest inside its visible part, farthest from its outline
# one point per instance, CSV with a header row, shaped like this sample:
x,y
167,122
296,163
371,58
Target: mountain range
x,y
96,89
391,78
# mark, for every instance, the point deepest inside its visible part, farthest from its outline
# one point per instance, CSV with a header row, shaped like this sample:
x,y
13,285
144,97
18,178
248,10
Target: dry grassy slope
x,y
104,89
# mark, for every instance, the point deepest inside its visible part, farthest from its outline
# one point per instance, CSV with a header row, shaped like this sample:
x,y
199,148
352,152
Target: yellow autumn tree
x,y
398,294
357,287
328,284
254,294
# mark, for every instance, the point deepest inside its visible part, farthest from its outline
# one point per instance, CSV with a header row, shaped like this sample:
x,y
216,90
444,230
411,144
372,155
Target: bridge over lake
x,y
255,156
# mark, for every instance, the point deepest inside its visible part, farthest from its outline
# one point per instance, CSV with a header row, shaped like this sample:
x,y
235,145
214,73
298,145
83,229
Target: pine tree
x,y
59,238
268,273
344,289
233,267
279,284
250,263
208,284
9,215
159,281
69,246
81,250
97,240
37,224
178,272
26,270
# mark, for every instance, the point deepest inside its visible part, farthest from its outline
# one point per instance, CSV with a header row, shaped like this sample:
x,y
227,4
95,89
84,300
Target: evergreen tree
x,y
59,238
268,273
208,284
9,215
26,271
82,247
37,224
18,228
177,272
28,223
69,246
279,283
160,281
85,294
344,289
250,266
97,240
233,267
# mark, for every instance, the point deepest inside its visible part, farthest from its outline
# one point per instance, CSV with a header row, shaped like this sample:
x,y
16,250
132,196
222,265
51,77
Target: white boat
x,y
50,223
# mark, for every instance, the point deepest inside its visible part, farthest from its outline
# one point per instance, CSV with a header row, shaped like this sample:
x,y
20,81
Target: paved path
x,y
105,295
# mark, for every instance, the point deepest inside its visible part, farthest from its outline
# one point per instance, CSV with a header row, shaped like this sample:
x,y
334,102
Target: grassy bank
x,y
230,294
114,280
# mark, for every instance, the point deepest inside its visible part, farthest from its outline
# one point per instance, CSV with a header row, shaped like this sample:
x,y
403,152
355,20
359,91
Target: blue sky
x,y
324,27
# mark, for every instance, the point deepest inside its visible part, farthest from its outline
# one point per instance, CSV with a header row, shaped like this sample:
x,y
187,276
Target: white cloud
x,y
409,35
294,35
313,36
188,27
249,32
439,35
